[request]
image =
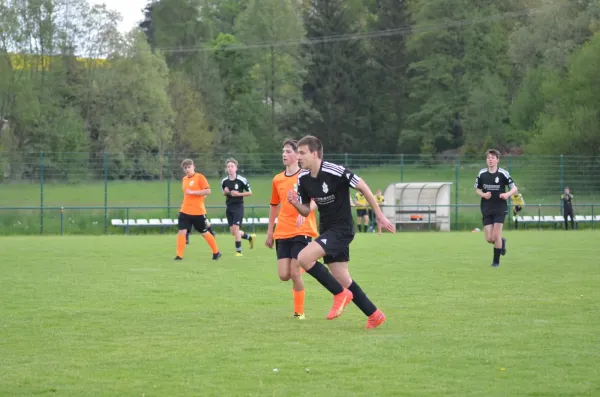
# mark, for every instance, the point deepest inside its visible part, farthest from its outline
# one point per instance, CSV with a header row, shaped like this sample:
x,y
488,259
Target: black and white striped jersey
x,y
495,183
239,184
331,191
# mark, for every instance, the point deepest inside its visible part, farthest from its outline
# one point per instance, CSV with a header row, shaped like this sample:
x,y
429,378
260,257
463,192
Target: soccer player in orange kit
x,y
193,212
293,231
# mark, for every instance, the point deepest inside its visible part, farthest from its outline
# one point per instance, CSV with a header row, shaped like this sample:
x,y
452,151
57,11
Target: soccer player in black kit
x,y
329,186
490,185
235,187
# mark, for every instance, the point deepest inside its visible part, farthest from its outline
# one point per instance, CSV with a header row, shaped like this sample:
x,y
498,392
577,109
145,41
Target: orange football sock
x,y
298,301
210,239
180,244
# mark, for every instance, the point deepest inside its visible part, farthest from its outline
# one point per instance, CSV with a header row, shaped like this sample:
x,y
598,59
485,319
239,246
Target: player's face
x,y
492,161
189,170
567,191
305,158
378,192
231,168
288,156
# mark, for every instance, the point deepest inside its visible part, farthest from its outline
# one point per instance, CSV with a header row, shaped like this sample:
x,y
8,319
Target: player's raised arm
x,y
300,200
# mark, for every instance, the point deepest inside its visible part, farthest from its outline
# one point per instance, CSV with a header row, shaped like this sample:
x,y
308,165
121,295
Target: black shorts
x,y
336,245
291,247
361,212
490,219
235,214
185,222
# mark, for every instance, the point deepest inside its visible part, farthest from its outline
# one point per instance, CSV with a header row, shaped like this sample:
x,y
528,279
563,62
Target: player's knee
x,y
343,277
490,239
285,276
184,231
304,259
296,271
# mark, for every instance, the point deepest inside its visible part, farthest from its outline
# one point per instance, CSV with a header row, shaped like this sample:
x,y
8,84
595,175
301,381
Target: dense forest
x,y
237,76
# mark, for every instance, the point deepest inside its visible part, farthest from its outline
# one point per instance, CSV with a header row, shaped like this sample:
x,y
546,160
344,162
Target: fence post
x,y
105,166
346,160
62,221
168,185
562,172
539,216
593,219
41,192
402,167
510,200
429,217
456,178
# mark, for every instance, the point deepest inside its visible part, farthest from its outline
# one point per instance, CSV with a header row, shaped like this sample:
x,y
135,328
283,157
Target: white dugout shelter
x,y
416,205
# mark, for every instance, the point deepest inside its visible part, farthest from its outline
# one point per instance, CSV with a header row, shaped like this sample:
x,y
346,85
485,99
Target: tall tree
x,y
335,83
570,122
448,68
388,73
275,28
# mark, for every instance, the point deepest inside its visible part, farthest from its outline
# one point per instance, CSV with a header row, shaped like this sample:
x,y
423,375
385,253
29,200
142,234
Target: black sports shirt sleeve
x,y
303,196
351,178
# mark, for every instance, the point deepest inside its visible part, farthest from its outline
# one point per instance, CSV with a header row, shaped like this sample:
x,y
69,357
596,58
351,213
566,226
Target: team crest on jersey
x,y
496,180
236,185
325,187
191,183
296,187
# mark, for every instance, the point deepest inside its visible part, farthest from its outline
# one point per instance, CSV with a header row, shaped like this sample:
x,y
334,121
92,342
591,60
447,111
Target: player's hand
x,y
226,190
504,196
189,191
487,195
300,220
292,196
269,242
386,224
235,193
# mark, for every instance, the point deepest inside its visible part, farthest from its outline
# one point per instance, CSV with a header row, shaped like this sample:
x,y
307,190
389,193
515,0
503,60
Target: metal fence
x,y
97,220
104,181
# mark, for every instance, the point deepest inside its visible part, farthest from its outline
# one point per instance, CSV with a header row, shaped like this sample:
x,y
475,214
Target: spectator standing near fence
x,y
567,199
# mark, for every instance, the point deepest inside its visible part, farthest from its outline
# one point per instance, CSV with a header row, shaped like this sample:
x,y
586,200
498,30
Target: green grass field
x,y
115,316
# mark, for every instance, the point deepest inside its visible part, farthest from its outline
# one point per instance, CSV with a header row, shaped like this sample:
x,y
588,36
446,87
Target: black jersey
x,y
239,184
567,199
331,191
496,184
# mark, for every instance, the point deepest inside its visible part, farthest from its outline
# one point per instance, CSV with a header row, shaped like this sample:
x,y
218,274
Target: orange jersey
x,y
193,205
286,220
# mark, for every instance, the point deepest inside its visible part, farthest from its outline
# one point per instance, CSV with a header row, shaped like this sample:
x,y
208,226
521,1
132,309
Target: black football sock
x,y
497,252
238,246
246,236
361,300
322,275
360,228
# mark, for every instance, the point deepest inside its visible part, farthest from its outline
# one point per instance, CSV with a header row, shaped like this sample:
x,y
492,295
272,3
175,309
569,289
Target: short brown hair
x,y
231,160
291,142
187,162
313,143
493,152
